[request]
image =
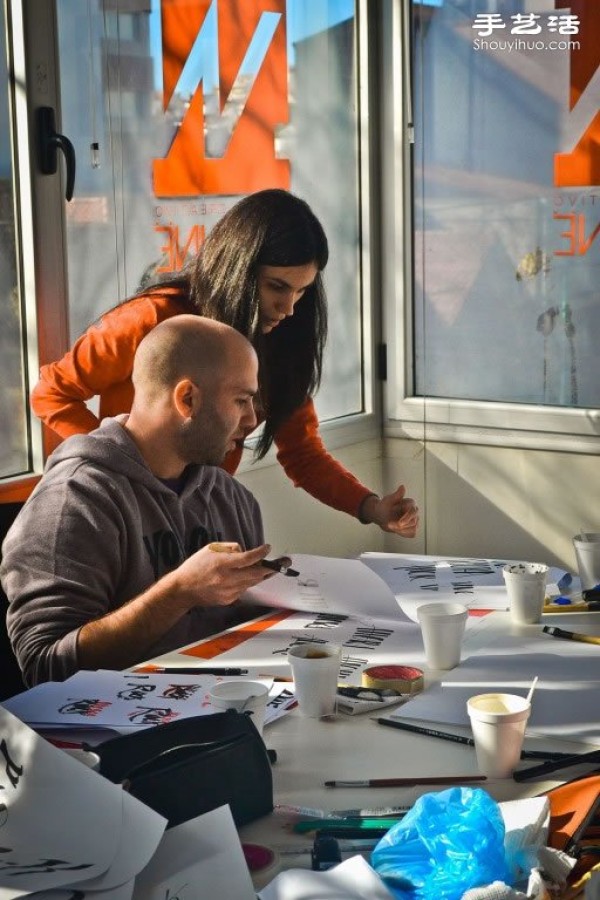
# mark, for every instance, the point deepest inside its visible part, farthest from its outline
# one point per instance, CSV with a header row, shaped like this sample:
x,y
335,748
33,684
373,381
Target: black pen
x,y
575,759
279,565
190,670
462,739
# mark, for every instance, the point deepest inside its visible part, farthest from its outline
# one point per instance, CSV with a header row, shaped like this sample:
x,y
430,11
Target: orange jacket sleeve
x,y
99,364
307,463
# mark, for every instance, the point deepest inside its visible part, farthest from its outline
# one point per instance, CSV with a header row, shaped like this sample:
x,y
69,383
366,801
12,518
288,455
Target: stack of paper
x,y
120,701
65,825
476,583
68,832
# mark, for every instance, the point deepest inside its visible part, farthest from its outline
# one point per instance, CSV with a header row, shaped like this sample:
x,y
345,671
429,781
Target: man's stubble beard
x,y
201,438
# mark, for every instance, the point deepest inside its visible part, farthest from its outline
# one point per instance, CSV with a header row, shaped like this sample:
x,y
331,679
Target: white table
x,y
355,747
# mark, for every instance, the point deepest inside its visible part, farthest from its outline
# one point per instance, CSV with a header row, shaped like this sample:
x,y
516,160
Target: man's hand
x,y
394,512
218,574
207,578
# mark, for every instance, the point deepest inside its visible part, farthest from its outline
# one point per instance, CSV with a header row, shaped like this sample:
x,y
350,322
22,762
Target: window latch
x,y
49,142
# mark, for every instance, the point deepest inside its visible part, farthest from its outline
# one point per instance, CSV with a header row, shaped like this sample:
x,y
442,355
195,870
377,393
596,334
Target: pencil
x,y
408,782
462,739
190,670
570,635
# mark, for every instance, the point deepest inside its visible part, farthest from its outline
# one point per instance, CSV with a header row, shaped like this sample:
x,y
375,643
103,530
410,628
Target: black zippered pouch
x,y
186,768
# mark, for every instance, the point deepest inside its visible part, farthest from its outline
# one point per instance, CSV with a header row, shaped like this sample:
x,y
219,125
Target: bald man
x,y
108,562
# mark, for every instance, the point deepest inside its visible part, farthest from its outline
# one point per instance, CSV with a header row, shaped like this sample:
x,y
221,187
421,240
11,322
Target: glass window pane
x,y
14,452
507,215
164,149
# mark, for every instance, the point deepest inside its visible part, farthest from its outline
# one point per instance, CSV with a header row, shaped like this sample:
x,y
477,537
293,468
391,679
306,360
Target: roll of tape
x,y
406,679
263,863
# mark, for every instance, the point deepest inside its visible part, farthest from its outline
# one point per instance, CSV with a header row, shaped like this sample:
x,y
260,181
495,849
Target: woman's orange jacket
x,y
100,364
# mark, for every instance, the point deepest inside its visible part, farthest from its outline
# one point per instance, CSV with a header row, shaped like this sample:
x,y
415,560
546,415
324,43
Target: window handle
x,y
49,141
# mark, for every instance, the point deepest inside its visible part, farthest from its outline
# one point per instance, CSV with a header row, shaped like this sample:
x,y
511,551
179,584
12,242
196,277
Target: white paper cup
x,y
315,669
526,589
442,627
587,553
87,757
244,696
498,722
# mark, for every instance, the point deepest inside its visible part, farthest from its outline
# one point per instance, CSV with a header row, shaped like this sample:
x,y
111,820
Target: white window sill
x,y
497,424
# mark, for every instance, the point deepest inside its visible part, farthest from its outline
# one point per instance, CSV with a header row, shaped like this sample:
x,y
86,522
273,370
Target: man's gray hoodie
x,y
98,530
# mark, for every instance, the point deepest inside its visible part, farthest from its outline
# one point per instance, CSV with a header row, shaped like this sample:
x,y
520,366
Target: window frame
x,y
41,228
30,87
345,431
407,415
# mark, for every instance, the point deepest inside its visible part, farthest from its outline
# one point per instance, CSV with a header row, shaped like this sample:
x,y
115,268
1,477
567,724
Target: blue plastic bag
x,y
447,843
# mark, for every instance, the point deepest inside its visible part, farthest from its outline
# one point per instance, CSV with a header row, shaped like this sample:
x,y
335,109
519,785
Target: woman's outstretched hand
x,y
395,512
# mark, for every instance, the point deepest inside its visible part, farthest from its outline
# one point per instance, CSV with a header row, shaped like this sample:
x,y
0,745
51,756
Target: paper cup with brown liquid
x,y
315,668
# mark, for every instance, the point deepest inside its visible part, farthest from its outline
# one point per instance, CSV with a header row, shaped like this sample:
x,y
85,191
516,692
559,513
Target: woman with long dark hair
x,y
259,270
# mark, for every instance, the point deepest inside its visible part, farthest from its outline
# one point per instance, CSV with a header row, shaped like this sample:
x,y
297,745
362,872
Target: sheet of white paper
x,y
526,821
141,833
115,699
329,585
414,580
200,859
565,700
364,642
353,879
46,819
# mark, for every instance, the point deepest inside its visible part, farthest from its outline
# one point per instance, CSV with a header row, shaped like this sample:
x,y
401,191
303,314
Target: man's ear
x,y
187,398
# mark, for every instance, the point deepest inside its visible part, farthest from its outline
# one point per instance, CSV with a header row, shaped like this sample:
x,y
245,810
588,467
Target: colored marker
x,y
345,825
570,635
308,811
385,812
279,565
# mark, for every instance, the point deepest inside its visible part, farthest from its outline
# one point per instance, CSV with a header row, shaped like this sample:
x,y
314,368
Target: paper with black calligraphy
x,y
329,585
364,642
117,700
201,858
63,824
414,580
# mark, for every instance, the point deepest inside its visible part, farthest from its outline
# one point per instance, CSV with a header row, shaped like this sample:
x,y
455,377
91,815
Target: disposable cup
x,y
587,553
315,669
526,589
87,757
442,627
498,722
248,697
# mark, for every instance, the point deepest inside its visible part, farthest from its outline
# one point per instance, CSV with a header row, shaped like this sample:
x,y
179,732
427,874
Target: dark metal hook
x,y
49,141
